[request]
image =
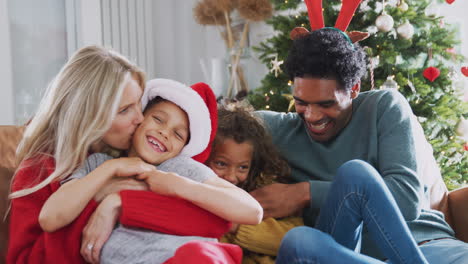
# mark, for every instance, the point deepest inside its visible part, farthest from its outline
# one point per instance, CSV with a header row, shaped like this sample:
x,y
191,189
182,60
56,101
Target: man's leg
x,y
308,245
358,194
445,251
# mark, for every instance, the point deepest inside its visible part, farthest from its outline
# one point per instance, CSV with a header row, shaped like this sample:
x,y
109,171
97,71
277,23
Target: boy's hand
x,y
116,185
164,183
126,167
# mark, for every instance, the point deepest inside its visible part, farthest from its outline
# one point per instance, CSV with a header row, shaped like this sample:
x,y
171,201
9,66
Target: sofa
x,y
453,204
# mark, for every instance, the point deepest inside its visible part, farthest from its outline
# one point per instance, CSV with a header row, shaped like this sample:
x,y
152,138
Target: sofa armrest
x,y
458,204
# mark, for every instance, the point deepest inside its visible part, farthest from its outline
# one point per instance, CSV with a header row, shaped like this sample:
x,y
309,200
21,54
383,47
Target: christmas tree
x,y
410,49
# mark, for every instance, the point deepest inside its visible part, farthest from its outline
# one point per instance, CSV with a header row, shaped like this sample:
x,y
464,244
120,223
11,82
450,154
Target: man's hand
x,y
99,227
281,200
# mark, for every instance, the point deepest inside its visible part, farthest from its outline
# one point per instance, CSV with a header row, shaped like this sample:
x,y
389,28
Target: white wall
x,y
180,44
6,87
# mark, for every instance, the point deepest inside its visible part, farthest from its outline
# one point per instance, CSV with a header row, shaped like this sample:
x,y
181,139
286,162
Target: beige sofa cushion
x,y
9,139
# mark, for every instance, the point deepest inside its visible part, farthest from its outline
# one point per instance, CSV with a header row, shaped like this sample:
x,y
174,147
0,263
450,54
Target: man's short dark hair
x,y
326,54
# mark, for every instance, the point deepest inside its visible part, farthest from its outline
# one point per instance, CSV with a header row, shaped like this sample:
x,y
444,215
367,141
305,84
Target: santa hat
x,y
199,102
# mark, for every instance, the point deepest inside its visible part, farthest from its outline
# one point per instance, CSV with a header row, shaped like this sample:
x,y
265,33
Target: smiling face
x,y
231,160
163,133
325,108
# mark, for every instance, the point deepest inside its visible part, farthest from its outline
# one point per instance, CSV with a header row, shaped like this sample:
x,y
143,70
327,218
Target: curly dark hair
x,y
326,54
237,122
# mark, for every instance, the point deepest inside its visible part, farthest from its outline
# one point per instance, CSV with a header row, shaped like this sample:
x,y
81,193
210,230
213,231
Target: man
x,y
335,124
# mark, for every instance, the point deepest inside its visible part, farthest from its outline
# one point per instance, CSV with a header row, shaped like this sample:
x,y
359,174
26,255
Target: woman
x,y
92,105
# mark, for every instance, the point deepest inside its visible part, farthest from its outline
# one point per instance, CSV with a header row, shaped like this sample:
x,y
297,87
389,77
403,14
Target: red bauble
x,y
449,1
431,73
466,146
464,70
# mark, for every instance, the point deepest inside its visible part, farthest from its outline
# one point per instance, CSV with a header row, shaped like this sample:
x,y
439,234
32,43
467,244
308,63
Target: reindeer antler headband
x,y
314,9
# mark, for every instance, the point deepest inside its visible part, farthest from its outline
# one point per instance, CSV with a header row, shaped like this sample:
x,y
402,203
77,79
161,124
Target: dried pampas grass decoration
x,y
255,10
206,13
217,12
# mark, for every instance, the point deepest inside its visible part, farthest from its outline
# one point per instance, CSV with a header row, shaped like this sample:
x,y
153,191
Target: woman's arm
x,y
215,195
70,199
28,243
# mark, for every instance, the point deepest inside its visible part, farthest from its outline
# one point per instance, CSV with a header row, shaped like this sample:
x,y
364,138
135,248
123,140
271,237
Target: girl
x,y
176,126
243,154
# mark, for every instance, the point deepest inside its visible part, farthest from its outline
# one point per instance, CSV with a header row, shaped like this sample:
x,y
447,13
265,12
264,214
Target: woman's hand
x,y
99,227
116,185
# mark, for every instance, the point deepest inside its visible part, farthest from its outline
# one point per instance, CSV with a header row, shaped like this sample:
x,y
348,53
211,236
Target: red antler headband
x,y
314,9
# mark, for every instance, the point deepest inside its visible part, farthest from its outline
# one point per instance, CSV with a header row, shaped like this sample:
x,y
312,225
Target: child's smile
x,y
163,133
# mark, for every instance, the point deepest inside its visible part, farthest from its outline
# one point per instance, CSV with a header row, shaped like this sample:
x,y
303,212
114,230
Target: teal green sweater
x,y
380,132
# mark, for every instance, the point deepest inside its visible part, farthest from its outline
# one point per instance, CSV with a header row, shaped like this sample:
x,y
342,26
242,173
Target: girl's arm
x,y
71,198
264,238
215,195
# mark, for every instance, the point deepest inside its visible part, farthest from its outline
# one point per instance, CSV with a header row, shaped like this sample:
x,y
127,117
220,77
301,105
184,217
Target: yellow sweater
x,y
261,242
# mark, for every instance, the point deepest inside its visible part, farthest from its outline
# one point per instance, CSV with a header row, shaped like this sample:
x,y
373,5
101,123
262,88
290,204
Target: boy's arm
x,y
214,195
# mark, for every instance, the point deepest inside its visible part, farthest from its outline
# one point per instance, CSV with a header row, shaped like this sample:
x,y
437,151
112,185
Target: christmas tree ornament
x,y
432,10
431,73
372,30
406,30
403,6
275,65
441,23
464,70
384,22
449,1
452,74
389,83
462,128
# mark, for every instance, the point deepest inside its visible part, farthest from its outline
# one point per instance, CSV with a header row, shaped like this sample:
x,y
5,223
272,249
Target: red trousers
x,y
203,252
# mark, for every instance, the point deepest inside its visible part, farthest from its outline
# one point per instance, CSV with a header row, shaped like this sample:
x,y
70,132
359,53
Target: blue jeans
x,y
357,195
445,251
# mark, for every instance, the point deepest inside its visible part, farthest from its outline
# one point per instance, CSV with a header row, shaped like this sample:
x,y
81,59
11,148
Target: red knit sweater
x,y
30,244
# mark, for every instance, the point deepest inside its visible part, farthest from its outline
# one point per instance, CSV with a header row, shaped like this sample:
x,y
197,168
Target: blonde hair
x,y
75,112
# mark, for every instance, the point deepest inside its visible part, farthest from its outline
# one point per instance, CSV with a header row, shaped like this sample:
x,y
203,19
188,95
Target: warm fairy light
x,y
272,92
303,24
266,94
289,83
443,152
285,1
267,107
451,137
